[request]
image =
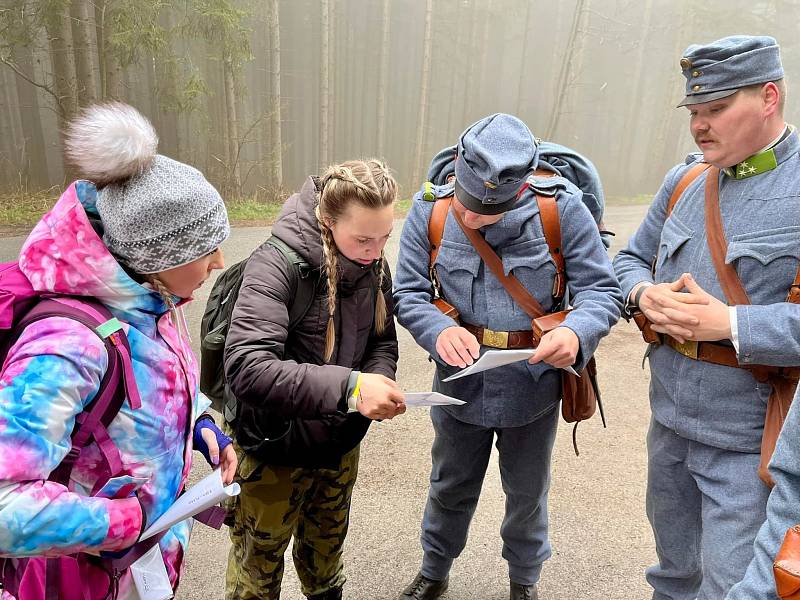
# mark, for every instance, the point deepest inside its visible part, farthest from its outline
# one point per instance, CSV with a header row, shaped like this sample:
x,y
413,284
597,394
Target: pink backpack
x,y
79,576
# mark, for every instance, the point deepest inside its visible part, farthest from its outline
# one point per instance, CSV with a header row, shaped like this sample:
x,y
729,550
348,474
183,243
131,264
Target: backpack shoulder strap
x,y
551,227
117,384
441,207
688,177
305,281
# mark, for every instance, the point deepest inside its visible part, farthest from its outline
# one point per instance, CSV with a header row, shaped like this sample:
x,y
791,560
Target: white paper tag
x,y
150,576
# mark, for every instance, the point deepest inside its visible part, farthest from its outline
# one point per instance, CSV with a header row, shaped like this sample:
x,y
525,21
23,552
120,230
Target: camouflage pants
x,y
276,503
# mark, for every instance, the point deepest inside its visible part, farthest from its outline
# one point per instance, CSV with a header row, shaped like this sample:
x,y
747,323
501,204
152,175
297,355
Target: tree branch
x,y
33,82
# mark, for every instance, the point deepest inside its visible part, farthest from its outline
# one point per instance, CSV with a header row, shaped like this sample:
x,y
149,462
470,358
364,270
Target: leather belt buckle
x,y
495,339
689,348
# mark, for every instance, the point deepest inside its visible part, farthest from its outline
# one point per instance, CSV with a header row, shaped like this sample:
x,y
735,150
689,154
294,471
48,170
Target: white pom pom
x,y
110,143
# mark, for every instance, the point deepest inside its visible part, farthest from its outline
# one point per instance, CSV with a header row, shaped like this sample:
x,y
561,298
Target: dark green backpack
x,y
217,317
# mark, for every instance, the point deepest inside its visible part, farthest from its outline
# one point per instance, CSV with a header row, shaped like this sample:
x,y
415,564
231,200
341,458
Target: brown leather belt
x,y
720,354
506,340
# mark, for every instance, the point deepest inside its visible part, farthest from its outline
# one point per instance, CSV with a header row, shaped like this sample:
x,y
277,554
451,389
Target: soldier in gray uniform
x,y
705,501
516,404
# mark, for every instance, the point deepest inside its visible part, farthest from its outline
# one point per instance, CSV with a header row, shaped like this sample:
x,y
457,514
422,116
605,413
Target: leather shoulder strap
x,y
718,245
551,225
436,225
687,179
512,285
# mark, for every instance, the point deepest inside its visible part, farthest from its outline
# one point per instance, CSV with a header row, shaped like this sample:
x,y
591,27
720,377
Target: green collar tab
x,y
755,165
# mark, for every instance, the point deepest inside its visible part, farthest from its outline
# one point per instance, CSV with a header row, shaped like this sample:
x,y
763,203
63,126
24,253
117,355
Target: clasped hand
x,y
685,311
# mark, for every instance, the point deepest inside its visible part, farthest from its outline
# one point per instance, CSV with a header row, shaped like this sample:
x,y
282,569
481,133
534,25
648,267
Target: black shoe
x,y
423,588
332,594
523,592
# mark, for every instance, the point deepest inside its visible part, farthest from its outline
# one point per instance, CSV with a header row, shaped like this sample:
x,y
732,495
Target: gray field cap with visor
x,y
495,155
721,68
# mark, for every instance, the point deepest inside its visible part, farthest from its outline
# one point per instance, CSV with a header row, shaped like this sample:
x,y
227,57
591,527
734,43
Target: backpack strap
x,y
92,423
306,285
436,223
551,225
685,181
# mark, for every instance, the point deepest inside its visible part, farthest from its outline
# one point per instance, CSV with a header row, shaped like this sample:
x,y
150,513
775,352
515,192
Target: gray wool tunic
x,y
516,394
724,406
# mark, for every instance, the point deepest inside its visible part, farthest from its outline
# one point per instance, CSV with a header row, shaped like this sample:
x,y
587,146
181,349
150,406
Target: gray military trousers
x,y
460,455
705,506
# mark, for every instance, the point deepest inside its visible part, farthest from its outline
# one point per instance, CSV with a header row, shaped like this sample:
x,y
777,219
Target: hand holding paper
x,y
497,358
205,493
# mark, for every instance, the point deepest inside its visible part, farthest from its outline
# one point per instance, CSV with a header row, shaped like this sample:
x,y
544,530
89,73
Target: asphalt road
x,y
601,540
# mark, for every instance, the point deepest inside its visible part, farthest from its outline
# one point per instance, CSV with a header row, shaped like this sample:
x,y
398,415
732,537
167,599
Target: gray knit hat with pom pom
x,y
157,213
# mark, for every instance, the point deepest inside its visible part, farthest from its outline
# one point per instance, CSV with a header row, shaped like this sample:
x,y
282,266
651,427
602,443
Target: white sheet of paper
x,y
416,399
150,576
205,493
492,359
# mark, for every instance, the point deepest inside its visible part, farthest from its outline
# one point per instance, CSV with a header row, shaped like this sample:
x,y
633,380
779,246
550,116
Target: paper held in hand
x,y
497,358
205,493
417,399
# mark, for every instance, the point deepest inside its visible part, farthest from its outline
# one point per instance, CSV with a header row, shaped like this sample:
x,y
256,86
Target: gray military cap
x,y
495,155
721,68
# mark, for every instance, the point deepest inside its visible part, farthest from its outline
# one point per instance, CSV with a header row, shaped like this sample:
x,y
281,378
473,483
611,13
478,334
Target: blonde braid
x,y
166,295
380,300
331,269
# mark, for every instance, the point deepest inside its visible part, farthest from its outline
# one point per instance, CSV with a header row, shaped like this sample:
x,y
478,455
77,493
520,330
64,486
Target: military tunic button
x,y
686,63
697,88
696,73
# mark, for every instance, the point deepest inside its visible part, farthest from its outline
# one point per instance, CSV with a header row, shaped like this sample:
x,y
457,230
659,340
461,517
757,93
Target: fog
x,y
260,94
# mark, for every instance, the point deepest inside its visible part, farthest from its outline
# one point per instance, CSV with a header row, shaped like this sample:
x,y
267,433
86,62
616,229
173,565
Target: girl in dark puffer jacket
x,y
307,395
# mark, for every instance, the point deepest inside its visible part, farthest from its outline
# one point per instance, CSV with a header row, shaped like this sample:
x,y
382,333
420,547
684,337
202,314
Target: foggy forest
x,y
260,94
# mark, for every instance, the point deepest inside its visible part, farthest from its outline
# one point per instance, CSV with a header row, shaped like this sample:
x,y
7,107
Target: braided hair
x,y
371,185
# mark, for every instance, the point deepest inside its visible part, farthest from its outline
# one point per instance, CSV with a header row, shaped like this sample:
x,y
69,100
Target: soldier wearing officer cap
x,y
716,364
519,402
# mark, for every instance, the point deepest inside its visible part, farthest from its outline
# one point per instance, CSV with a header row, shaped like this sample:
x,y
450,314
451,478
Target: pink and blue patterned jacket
x,y
54,370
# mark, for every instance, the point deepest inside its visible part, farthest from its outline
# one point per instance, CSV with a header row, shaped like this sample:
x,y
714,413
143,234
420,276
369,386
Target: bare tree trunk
x,y
474,72
234,174
10,130
110,69
276,174
384,78
523,72
634,123
423,95
33,155
59,36
324,106
332,81
575,45
85,51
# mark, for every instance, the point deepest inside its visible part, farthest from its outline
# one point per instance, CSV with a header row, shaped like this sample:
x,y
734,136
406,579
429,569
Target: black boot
x,y
523,592
331,594
423,588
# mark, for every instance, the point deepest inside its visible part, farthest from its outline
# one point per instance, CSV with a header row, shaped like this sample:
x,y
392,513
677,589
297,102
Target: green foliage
x,y
219,21
135,28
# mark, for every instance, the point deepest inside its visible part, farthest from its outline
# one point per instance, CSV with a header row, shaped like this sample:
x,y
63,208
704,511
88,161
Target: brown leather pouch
x,y
786,567
649,336
447,309
545,323
780,399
